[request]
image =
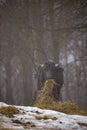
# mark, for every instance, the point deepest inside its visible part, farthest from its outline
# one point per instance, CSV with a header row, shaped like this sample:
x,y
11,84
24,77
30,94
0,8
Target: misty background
x,y
31,33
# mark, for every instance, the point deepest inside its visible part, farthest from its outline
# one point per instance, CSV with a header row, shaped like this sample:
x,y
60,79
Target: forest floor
x,y
33,118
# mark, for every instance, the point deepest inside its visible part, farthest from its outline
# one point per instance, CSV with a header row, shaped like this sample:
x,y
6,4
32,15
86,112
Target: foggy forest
x,y
33,32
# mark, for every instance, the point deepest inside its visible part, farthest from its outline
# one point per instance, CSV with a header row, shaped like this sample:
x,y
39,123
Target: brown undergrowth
x,y
47,101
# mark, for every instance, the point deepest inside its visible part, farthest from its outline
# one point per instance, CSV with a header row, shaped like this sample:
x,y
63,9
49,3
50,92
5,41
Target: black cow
x,y
50,70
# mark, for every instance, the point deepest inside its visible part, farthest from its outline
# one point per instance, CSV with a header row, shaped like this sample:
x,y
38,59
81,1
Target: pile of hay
x,y
9,111
47,101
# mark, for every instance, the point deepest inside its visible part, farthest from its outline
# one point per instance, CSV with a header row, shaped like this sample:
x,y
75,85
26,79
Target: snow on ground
x,y
33,118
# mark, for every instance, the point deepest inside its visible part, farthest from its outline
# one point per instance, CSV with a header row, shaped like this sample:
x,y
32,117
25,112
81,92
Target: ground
x,y
33,118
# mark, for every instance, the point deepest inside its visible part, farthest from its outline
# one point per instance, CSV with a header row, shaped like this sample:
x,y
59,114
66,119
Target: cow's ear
x,y
42,65
56,65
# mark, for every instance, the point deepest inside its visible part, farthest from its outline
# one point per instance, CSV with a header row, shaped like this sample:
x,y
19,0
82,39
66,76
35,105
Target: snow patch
x,y
63,121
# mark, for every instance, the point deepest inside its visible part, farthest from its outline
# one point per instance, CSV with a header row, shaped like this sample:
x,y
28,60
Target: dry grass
x,y
7,129
9,111
46,101
45,118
